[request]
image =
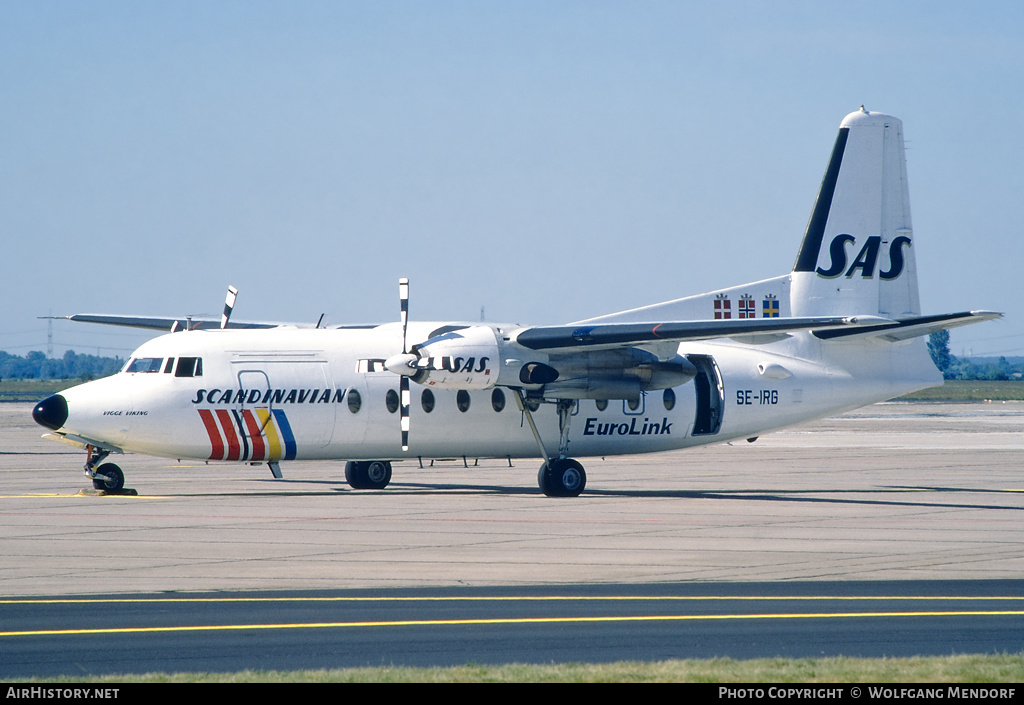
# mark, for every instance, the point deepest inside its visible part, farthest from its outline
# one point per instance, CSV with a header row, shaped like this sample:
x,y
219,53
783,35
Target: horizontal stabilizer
x,y
618,334
911,327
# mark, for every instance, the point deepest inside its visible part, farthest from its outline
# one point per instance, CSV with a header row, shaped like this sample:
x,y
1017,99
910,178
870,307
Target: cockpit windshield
x,y
144,364
189,367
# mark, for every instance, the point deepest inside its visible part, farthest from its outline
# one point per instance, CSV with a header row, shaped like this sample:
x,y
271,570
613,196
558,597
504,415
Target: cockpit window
x,y
189,367
145,364
169,366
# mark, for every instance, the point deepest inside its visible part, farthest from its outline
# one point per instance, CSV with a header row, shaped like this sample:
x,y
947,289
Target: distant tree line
x,y
953,367
36,365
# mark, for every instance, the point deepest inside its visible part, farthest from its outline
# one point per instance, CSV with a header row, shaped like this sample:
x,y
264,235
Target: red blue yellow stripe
x,y
249,434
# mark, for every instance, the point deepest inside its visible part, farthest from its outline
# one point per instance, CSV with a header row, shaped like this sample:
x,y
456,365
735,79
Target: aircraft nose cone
x,y
51,412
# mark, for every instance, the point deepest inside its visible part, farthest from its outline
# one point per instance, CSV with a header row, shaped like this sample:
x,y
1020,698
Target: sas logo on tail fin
x,y
867,258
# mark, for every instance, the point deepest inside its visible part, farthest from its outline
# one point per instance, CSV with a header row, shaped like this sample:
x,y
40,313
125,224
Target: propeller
x,y
451,360
403,297
229,305
405,396
406,364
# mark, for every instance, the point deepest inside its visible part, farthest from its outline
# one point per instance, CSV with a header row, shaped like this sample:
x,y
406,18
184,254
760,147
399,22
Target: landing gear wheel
x,y
368,475
114,481
378,475
352,474
562,477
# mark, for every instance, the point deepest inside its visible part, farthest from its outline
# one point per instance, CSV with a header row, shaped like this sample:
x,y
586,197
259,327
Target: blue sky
x,y
547,161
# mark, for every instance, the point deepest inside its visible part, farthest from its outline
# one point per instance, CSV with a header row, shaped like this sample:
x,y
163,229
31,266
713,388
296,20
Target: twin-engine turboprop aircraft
x,y
842,330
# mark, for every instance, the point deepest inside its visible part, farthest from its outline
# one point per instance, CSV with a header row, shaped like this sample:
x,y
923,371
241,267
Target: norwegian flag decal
x,y
746,307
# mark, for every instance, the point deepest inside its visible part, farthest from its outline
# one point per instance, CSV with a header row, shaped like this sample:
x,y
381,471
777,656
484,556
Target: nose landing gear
x,y
107,477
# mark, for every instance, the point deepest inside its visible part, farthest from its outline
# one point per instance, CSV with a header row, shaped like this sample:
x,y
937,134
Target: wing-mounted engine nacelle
x,y
466,358
479,357
611,374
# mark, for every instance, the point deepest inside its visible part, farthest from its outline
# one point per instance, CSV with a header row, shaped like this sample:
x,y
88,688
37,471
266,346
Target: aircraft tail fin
x,y
857,255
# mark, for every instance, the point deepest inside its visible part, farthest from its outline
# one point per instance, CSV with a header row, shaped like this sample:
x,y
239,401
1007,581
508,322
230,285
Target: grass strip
x,y
970,668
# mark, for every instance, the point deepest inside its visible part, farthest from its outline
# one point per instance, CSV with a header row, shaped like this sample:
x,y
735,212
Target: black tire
x,y
377,474
115,481
368,475
542,479
563,477
352,472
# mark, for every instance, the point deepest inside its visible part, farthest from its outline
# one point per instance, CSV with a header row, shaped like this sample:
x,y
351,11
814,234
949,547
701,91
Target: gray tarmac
x,y
896,491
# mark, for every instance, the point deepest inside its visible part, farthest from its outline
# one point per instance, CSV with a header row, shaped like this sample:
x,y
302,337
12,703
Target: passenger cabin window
x,y
189,367
497,400
145,364
370,365
669,398
355,401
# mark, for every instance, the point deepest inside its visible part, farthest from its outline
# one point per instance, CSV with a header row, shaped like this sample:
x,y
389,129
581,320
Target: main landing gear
x,y
368,474
107,477
559,476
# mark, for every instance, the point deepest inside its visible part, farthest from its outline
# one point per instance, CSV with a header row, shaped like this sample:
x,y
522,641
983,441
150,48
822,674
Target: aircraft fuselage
x,y
301,394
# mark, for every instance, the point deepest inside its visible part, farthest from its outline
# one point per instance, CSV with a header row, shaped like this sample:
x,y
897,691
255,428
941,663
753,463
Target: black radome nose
x,y
51,412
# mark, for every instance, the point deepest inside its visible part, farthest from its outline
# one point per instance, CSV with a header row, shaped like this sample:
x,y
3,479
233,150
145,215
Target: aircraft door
x,y
256,387
252,416
710,396
285,405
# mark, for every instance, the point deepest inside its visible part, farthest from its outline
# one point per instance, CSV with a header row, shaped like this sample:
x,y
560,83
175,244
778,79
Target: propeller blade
x,y
405,399
403,296
229,304
403,363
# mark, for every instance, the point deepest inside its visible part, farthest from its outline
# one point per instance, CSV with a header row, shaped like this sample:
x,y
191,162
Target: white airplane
x,y
843,329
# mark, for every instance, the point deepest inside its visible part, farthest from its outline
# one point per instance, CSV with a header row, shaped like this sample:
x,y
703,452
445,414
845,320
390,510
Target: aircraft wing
x,y
755,330
174,324
750,330
911,327
161,324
